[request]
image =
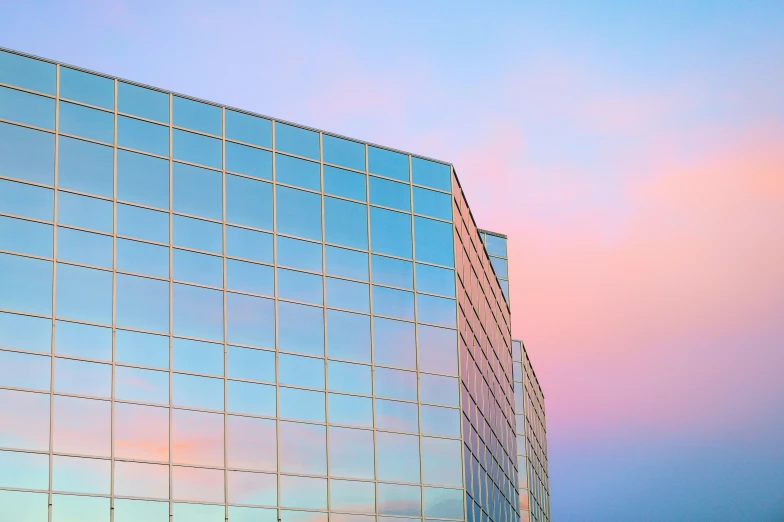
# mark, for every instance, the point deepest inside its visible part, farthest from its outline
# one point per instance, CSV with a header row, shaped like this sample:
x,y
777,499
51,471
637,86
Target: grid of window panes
x,y
534,482
486,376
209,315
495,244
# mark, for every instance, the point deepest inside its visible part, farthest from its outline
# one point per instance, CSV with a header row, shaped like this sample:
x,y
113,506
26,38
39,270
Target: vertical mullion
x,y
225,320
324,311
370,318
273,124
171,307
114,294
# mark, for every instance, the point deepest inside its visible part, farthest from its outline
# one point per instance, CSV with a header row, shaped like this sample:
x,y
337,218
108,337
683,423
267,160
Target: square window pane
x,y
71,415
393,272
437,350
252,443
86,88
434,242
431,174
299,254
142,258
26,200
136,479
250,398
198,312
22,370
142,223
140,101
85,212
248,202
24,420
346,263
302,405
348,336
350,378
397,457
142,303
249,161
141,432
197,268
297,141
85,167
438,390
20,332
84,294
297,172
303,448
500,266
393,303
397,499
66,508
440,421
298,213
431,203
350,410
142,136
197,191
390,232
88,123
249,244
197,357
250,320
437,310
84,247
197,438
348,295
441,462
82,378
345,223
197,484
198,116
345,153
84,341
496,245
142,179
26,154
23,107
25,283
394,343
248,128
388,163
250,364
390,194
25,237
192,391
351,453
443,503
346,495
397,416
435,280
307,372
255,489
134,384
27,73
23,471
299,286
395,384
344,183
300,329
250,277
303,492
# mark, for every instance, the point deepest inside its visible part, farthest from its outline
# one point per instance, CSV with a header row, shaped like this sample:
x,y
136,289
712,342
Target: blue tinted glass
x,y
142,258
350,378
26,154
397,458
299,254
307,372
27,73
24,284
388,163
20,370
438,389
84,247
303,492
395,384
435,280
197,116
86,88
143,136
247,128
437,349
350,410
353,495
431,203
434,242
249,244
195,148
198,191
296,141
250,320
390,194
248,160
82,378
395,499
351,455
344,152
297,172
25,333
27,108
26,200
84,294
436,310
197,268
501,266
82,476
141,349
348,295
153,105
133,510
142,223
142,303
347,263
441,462
299,286
393,303
250,364
393,272
197,392
26,237
248,202
345,223
198,312
397,416
298,213
84,212
504,288
197,234
348,336
81,340
496,245
250,277
302,405
197,357
250,398
344,183
85,167
87,123
443,503
390,232
431,174
300,329
441,421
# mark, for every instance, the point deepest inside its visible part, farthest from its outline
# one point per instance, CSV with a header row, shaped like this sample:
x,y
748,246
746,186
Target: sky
x,y
633,152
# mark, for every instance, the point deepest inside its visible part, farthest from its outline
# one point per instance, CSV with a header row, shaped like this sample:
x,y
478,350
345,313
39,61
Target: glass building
x,y
495,244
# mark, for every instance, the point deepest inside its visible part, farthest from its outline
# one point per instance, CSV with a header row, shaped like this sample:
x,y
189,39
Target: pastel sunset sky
x,y
632,151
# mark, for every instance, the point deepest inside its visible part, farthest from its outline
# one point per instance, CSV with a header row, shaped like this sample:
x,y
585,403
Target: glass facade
x,y
210,315
495,244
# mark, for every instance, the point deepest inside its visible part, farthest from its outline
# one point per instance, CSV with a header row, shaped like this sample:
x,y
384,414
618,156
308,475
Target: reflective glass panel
x,y
84,294
346,263
86,123
390,232
198,312
248,128
297,172
301,405
249,244
435,280
440,421
183,512
388,163
441,462
437,350
197,438
82,378
397,457
345,223
141,432
343,152
197,268
248,202
197,357
86,88
350,410
298,213
27,108
250,398
21,332
431,203
348,495
394,343
248,160
26,200
85,167
142,258
84,247
348,295
142,223
27,73
390,194
142,303
307,372
437,310
142,136
192,391
431,174
297,141
495,245
250,320
68,508
299,254
26,154
247,363
24,420
299,286
81,340
397,416
134,384
197,191
438,389
396,499
501,266
133,510
303,448
195,148
255,489
443,503
24,470
196,115
84,212
300,329
392,272
142,179
21,370
250,277
248,514
351,453
252,443
25,284
395,384
198,484
71,415
434,241
350,378
136,479
348,336
393,303
344,183
303,492
139,101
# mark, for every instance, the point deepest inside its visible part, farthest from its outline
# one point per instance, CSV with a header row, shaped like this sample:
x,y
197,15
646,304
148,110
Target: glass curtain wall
x,y
495,244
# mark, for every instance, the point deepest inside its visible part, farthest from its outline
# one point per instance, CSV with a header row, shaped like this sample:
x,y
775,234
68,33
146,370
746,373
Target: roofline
x,y
497,234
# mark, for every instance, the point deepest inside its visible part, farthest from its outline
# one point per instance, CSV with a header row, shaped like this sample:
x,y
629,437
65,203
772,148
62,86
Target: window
x,y
432,203
437,310
198,116
388,163
299,286
86,167
300,329
142,258
297,141
393,303
197,357
298,213
134,384
71,415
297,172
251,443
350,410
26,200
84,247
142,136
141,223
146,103
390,232
79,475
248,202
345,223
24,417
397,416
248,161
84,294
303,448
142,303
431,174
198,191
395,384
251,399
250,320
23,107
197,268
26,154
84,341
345,153
22,332
295,253
250,364
82,378
197,234
344,183
347,294
435,280
390,194
349,378
197,438
348,336
85,212
250,277
397,499
397,457
307,372
392,272
249,244
195,148
346,263
141,432
25,284
27,73
248,128
351,453
302,405
198,312
87,123
434,241
86,88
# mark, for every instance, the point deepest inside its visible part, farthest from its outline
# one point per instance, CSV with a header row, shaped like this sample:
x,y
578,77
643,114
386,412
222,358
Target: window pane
x,y
198,512
248,128
26,154
300,329
296,140
303,492
25,237
197,392
86,167
21,370
71,415
443,503
393,343
431,203
388,163
198,312
390,232
143,136
350,378
197,268
431,174
441,462
142,179
397,416
84,294
255,489
142,303
397,457
345,223
350,410
435,280
437,350
348,336
303,448
86,123
253,399
25,284
141,432
87,88
197,438
198,191
249,244
343,152
142,258
299,254
204,485
81,340
248,202
351,453
394,303
197,357
248,160
135,479
195,148
301,405
24,420
395,499
344,183
252,443
250,320
84,212
134,510
26,200
21,332
500,266
496,245
307,372
66,508
27,108
297,172
84,247
250,277
347,294
139,101
392,272
298,213
247,363
27,73
197,115
390,194
133,384
23,470
434,241
395,384
299,286
82,378
437,310
438,389
441,421
348,495
142,223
